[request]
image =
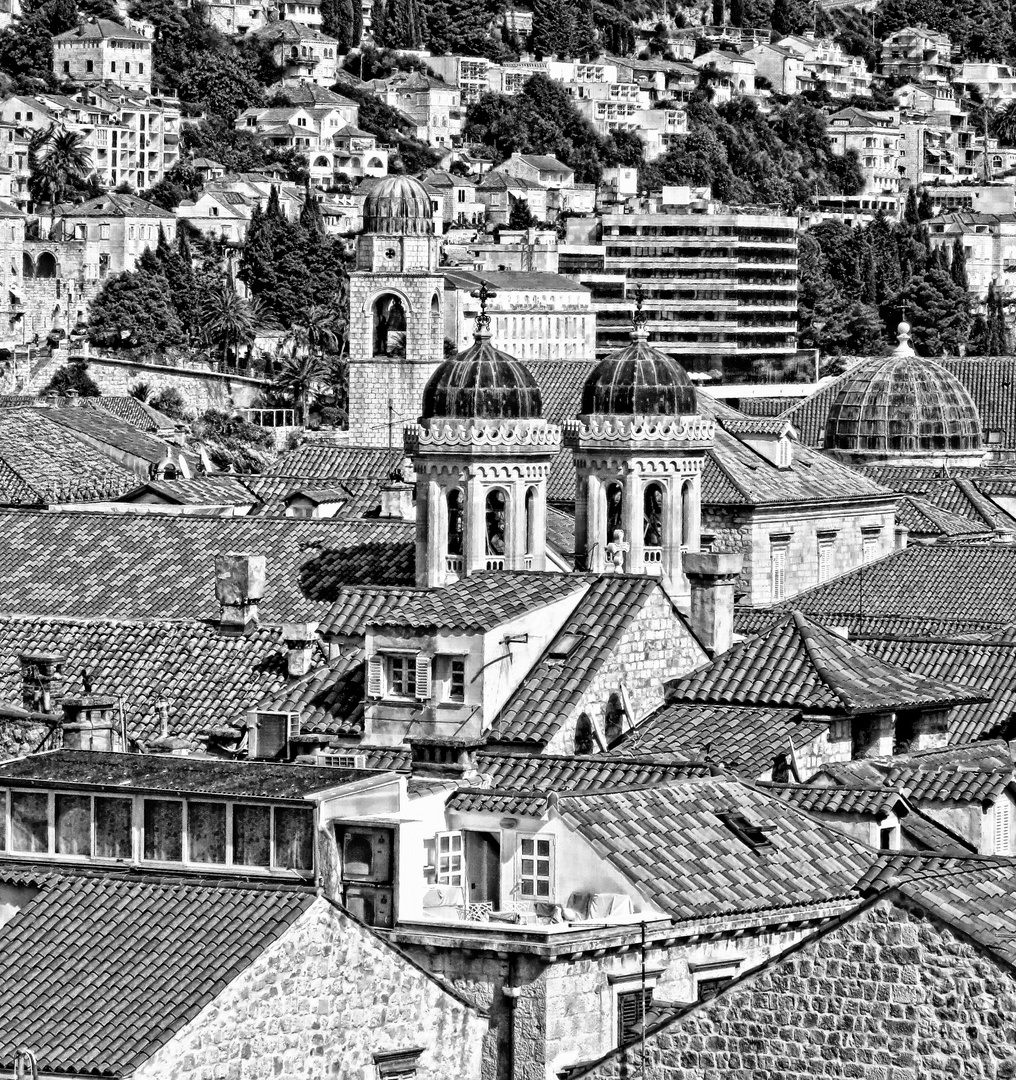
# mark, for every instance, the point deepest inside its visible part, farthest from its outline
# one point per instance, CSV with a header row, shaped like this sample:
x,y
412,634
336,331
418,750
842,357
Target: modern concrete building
x,y
720,286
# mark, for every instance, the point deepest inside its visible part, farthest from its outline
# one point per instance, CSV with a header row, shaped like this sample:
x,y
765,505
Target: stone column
x,y
423,490
581,518
633,515
515,548
595,525
672,528
540,526
474,551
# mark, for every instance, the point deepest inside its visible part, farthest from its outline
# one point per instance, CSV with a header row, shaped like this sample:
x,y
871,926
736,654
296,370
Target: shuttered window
x,y
449,858
375,669
1003,826
631,1010
779,572
825,560
423,677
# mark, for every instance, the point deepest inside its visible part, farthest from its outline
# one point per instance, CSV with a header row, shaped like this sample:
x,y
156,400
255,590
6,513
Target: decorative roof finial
x,y
903,347
639,317
483,294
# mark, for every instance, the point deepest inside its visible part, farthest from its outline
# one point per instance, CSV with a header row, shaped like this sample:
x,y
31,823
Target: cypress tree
x,y
310,212
910,215
958,270
545,27
439,27
924,208
379,24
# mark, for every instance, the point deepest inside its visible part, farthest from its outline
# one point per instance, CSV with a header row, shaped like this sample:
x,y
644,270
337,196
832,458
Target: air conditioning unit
x,y
367,855
370,904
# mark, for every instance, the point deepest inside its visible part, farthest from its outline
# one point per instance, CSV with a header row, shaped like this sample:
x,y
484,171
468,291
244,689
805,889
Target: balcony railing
x,y
495,562
453,564
653,556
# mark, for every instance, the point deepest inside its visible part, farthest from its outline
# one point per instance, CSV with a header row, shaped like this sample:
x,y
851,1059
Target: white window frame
x,y
779,557
826,552
707,970
455,852
1002,825
521,878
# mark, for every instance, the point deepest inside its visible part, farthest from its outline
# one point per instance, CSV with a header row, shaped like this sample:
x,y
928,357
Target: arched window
x,y
687,514
374,163
389,327
652,518
455,521
613,719
615,510
584,734
497,521
322,163
27,266
531,521
45,266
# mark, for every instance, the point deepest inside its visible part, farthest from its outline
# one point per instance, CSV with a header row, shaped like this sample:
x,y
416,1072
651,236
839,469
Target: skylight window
x,y
753,833
564,646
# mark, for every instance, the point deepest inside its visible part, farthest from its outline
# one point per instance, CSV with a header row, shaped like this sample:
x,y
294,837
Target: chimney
x,y
239,585
442,758
41,681
300,639
901,533
712,576
90,723
73,397
398,501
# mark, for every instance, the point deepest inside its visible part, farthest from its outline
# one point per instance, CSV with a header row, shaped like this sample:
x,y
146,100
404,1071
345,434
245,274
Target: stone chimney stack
x,y
90,723
73,397
398,494
712,576
300,639
239,586
901,534
42,681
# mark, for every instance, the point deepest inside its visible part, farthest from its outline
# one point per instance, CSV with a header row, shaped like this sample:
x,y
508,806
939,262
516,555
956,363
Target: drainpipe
x,y
511,992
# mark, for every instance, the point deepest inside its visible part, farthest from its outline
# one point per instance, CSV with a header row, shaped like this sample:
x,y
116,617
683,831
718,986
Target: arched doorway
x,y
497,528
27,266
45,266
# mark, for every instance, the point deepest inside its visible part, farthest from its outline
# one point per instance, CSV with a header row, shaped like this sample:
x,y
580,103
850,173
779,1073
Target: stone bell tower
x,y
640,447
482,454
396,312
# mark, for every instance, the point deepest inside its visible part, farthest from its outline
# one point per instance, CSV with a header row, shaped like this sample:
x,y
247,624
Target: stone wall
x,y
201,389
21,737
319,1003
893,994
656,648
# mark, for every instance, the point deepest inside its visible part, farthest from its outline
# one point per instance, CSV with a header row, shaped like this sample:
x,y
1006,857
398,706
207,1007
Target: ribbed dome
x,y
482,383
639,381
902,404
399,204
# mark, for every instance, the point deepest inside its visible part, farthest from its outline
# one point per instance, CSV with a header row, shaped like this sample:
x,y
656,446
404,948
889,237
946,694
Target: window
x,y
127,68
708,988
869,546
887,839
778,565
401,676
103,232
535,867
631,1011
449,858
206,832
112,65
74,825
1002,814
163,820
67,67
113,838
825,559
252,831
29,821
89,65
141,69
294,838
457,680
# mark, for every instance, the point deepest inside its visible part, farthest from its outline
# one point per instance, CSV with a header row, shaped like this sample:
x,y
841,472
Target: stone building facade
x,y
100,50
311,1006
892,993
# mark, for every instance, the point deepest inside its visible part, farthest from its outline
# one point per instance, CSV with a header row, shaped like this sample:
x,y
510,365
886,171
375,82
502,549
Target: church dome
x,y
639,381
399,205
482,383
902,405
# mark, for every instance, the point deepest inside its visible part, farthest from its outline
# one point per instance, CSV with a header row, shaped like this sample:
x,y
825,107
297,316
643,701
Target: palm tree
x,y
1003,124
61,170
230,320
298,375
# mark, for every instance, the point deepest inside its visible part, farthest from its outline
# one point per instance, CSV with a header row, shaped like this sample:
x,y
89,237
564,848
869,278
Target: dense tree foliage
x,y
857,284
72,376
134,310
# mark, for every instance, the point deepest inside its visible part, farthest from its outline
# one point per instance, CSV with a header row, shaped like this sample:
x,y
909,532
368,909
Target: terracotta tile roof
x,y
109,430
166,772
325,460
41,462
114,204
210,680
478,602
329,698
137,566
563,772
891,868
742,738
967,586
965,492
920,832
990,665
521,803
976,772
360,495
871,802
925,520
799,664
677,845
96,29
199,491
588,638
135,412
85,946
981,902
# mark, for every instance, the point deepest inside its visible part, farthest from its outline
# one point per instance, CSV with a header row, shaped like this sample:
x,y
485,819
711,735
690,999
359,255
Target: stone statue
x,y
617,549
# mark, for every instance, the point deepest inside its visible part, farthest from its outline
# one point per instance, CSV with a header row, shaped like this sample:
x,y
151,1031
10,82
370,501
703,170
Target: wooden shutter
x,y
375,676
631,1009
294,725
1003,826
779,564
423,678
